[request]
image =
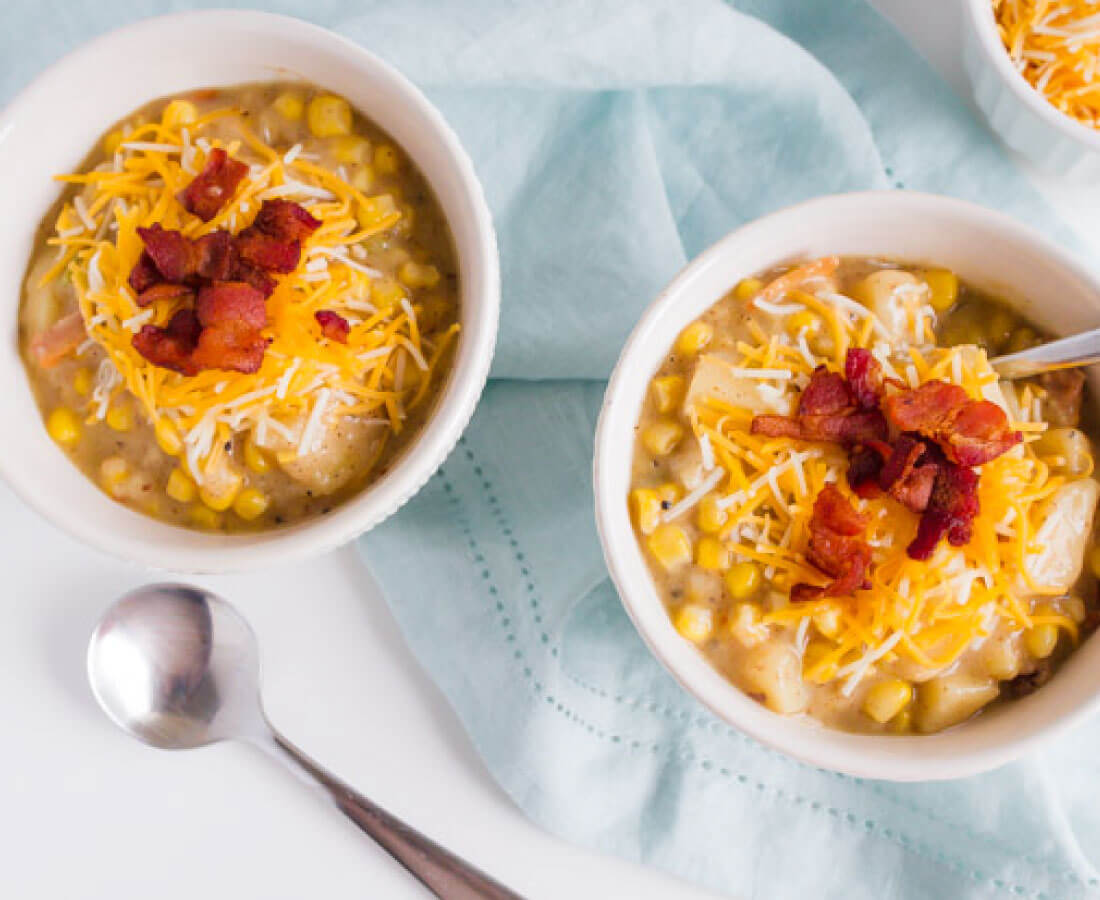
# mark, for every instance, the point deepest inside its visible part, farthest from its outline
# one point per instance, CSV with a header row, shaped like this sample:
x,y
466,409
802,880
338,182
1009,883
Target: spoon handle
x,y
1078,350
439,870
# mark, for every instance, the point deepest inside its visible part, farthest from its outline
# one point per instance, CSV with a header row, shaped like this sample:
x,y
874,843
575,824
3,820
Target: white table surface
x,y
89,813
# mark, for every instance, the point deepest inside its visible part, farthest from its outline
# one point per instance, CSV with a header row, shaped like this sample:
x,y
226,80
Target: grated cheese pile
x,y
1055,44
925,612
381,374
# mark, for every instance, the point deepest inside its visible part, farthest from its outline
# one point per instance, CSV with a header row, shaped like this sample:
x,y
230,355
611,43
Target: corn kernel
x,y
743,580
249,504
289,105
647,509
377,212
350,148
813,661
670,545
112,141
746,625
747,288
669,492
205,518
168,436
180,487
82,381
902,723
661,438
667,392
712,554
120,418
221,497
329,116
886,699
113,471
827,621
944,286
63,426
386,293
255,458
803,322
694,338
386,159
695,622
711,517
1041,639
418,276
362,179
178,113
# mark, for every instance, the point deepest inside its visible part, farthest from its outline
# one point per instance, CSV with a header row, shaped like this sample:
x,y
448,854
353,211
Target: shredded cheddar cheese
x,y
1054,44
381,374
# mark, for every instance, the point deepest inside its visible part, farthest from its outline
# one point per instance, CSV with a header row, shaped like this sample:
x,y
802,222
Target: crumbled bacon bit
x,y
268,253
864,466
333,325
163,291
827,411
834,547
285,221
951,510
213,186
144,274
901,476
864,374
970,432
171,347
222,332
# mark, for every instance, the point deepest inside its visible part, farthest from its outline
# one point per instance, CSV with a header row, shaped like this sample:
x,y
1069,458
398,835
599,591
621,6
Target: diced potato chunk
x,y
1064,536
950,699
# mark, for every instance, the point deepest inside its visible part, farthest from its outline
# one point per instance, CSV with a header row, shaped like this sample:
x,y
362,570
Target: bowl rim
x,y
985,28
458,397
894,758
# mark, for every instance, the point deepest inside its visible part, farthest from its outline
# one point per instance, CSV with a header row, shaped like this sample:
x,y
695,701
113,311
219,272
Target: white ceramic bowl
x,y
1015,110
987,250
53,124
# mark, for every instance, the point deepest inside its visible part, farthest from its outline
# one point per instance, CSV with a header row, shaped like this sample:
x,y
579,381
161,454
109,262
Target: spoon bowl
x,y
178,667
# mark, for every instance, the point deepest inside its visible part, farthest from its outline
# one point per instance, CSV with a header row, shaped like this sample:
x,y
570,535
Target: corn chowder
x,y
242,308
849,514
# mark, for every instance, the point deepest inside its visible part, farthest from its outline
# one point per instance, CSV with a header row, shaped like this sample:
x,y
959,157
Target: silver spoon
x,y
1079,350
178,667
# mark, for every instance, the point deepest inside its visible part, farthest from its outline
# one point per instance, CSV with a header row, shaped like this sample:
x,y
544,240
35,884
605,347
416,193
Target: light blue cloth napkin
x,y
616,140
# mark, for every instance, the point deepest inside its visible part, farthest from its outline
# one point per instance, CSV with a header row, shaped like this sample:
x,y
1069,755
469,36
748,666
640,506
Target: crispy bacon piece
x,y
285,221
214,256
171,347
230,302
273,242
268,253
169,250
951,510
834,547
864,466
864,374
333,325
144,274
222,332
970,432
827,411
901,476
253,276
215,184
163,291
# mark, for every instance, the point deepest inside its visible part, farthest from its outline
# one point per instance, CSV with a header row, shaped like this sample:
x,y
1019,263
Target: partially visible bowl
x,y
1023,118
49,128
987,250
